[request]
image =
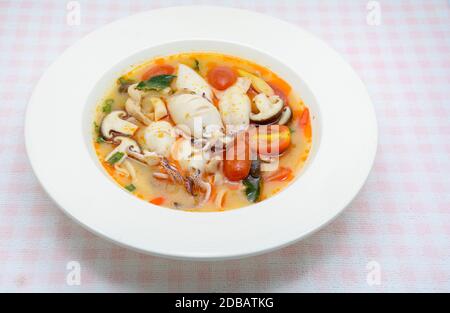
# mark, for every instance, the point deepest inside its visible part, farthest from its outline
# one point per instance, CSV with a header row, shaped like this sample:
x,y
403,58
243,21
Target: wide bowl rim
x,y
31,126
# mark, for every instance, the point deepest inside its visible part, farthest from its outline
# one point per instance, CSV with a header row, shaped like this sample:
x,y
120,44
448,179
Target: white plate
x,y
59,119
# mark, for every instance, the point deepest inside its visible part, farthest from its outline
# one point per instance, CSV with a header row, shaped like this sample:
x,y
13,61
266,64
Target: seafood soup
x,y
202,131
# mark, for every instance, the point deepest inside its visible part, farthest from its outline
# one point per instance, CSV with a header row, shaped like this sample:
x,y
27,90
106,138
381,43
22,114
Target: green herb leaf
x,y
157,83
107,106
252,188
116,157
253,182
100,140
130,187
196,65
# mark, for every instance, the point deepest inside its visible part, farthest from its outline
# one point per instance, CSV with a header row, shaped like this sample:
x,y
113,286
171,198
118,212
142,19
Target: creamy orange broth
x,y
168,194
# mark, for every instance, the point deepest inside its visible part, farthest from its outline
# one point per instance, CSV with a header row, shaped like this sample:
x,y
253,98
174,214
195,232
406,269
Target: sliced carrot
x,y
307,131
157,201
108,168
216,101
304,118
282,174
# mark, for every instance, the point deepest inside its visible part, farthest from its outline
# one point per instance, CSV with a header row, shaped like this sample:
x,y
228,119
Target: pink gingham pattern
x,y
399,223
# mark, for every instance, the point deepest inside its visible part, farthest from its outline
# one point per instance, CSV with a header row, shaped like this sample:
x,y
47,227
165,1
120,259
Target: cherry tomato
x,y
236,170
156,70
271,139
237,163
221,77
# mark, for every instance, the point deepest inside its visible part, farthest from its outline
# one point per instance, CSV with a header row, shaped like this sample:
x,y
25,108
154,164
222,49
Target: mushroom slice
x,y
270,109
159,108
188,79
286,115
235,106
194,111
126,147
114,123
159,137
258,83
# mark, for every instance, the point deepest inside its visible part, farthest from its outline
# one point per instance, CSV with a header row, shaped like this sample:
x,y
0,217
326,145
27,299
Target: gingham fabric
x,y
395,236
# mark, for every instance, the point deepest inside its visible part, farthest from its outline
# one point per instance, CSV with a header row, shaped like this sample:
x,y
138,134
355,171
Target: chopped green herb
x,y
130,187
96,128
116,157
100,140
157,83
196,65
107,106
291,130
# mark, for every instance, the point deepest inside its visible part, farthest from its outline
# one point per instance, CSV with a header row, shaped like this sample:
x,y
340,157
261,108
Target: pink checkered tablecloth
x,y
395,236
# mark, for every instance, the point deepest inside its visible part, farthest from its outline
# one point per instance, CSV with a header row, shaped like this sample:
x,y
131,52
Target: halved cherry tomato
x,y
236,170
237,163
270,139
157,201
221,77
281,174
156,70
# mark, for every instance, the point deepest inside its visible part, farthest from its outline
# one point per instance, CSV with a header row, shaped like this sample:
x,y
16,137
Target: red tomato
x,y
157,70
221,77
236,170
271,139
237,163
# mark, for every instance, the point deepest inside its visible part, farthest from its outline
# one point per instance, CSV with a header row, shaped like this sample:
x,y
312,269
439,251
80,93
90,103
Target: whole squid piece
x,y
193,111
